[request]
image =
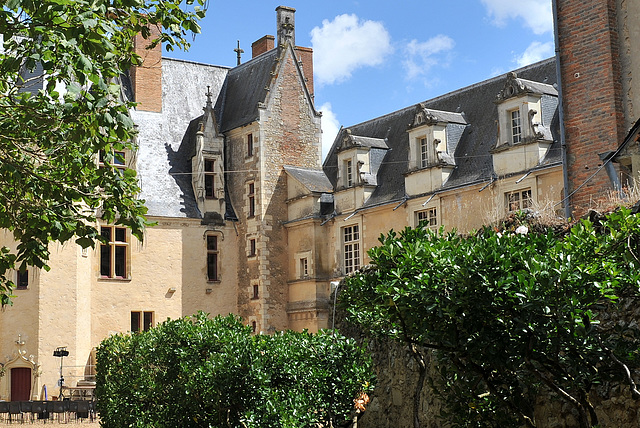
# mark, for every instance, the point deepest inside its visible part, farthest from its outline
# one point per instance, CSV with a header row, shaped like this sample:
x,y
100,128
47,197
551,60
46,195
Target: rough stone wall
x,y
396,378
592,92
290,135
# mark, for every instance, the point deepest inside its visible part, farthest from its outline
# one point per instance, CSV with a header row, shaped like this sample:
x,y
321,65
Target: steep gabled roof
x,y
472,155
244,89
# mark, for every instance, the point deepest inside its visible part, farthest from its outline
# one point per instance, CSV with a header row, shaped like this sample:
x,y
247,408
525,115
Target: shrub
x,y
202,372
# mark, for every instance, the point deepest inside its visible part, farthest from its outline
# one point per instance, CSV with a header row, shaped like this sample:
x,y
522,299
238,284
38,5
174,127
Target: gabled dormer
x,y
433,138
525,111
207,165
359,159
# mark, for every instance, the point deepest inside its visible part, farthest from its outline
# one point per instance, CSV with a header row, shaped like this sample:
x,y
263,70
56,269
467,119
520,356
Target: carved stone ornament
x,y
513,87
423,117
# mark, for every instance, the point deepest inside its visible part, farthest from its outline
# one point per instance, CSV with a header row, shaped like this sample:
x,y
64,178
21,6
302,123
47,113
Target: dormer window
x,y
520,109
348,173
516,126
424,152
209,179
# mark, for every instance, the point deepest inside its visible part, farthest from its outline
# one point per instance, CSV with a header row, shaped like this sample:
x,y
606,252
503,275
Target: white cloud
x,y
421,56
330,128
345,44
536,14
536,51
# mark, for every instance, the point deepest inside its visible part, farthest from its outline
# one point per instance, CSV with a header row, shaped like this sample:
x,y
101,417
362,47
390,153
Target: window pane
x,y
135,322
23,279
208,165
212,266
148,320
118,158
105,260
212,242
106,233
208,186
121,234
121,261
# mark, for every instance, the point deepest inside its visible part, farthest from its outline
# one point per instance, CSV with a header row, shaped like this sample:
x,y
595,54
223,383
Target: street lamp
x,y
61,352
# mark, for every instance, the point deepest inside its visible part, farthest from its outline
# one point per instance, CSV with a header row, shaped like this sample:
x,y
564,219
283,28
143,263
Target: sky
x,y
373,57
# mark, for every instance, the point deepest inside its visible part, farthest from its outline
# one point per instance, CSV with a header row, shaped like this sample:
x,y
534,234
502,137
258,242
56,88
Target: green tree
x,y
202,372
508,314
50,185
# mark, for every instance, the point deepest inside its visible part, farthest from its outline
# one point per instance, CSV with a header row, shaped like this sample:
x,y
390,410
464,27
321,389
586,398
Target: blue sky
x,y
374,57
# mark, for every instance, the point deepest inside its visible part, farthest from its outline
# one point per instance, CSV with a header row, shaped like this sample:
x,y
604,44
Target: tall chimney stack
x,y
146,79
286,21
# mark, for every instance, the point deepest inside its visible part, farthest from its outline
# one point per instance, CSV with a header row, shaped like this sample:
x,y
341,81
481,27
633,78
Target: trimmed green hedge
x,y
203,372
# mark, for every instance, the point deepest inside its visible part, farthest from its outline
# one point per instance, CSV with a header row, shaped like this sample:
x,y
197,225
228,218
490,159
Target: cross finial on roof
x,y
238,51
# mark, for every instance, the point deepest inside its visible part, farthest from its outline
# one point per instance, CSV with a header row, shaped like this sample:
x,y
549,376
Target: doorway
x,y
20,384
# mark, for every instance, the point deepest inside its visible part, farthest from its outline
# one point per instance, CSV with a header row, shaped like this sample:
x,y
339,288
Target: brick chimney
x,y
592,93
146,79
262,45
305,56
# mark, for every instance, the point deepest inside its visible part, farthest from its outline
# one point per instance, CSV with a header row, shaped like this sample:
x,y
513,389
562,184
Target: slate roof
x,y
314,180
472,155
164,139
245,87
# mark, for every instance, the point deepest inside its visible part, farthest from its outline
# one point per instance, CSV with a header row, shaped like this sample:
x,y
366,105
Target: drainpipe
x,y
611,172
563,142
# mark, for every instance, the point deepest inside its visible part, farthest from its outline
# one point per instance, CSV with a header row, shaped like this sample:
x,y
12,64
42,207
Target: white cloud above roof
x,y
536,14
330,128
537,51
421,56
345,44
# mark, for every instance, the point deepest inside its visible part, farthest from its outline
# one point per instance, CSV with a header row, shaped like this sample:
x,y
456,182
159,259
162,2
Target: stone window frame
x,y
115,255
518,200
351,248
251,199
250,146
142,321
22,279
210,178
430,215
212,248
304,259
515,125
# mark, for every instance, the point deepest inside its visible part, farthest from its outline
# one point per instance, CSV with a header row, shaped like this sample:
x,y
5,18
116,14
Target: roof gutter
x,y
563,142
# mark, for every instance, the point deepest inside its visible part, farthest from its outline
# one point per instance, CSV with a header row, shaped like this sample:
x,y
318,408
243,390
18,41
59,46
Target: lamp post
x,y
61,352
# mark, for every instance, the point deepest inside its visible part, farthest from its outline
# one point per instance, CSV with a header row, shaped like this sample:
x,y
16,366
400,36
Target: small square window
x,y
518,200
141,321
304,267
22,280
427,218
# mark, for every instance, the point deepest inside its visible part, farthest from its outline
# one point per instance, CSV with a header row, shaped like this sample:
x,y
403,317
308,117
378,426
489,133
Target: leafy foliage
x,y
50,183
202,372
509,314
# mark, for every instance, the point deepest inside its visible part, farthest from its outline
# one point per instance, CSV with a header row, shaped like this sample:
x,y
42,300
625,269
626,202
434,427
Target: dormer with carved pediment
x,y
207,165
359,159
433,138
525,111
